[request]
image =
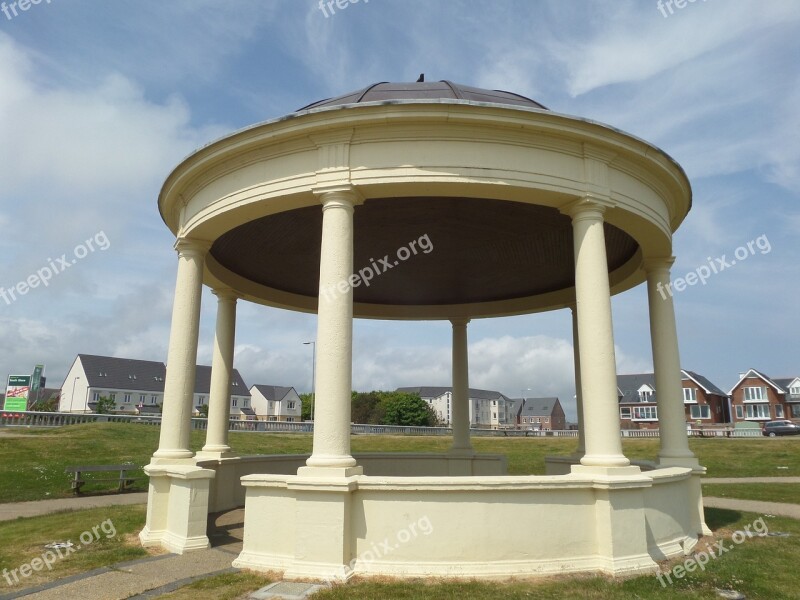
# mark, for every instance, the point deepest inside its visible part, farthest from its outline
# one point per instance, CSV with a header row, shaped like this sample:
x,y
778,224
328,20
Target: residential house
x,y
276,403
758,398
545,414
487,408
703,401
241,402
135,386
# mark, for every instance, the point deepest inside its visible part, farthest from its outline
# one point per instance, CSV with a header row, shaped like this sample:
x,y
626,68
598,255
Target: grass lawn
x,y
766,492
114,540
33,466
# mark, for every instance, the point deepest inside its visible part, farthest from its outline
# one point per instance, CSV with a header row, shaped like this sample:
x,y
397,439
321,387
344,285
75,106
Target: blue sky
x,y
99,100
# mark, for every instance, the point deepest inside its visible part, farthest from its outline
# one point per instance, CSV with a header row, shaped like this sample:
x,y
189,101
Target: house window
x,y
690,394
795,390
153,399
645,413
201,400
494,415
272,404
645,395
740,412
96,396
290,419
113,397
127,399
234,402
757,411
778,411
291,405
141,398
700,411
625,412
755,394
272,418
795,410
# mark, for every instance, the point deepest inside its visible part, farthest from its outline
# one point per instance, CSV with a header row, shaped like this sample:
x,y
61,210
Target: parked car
x,y
783,427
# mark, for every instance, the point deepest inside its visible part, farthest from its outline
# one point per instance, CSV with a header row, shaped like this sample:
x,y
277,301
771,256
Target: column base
x,y
690,461
175,456
605,470
214,454
177,507
322,472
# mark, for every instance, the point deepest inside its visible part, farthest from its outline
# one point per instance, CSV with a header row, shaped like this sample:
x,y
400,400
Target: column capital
x,y
658,263
192,247
460,321
339,196
225,294
587,206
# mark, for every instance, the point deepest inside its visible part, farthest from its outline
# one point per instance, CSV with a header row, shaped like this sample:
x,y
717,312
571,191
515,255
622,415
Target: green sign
x,y
36,382
17,392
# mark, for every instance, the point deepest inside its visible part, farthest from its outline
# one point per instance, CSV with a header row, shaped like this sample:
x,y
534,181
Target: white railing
x,y
44,419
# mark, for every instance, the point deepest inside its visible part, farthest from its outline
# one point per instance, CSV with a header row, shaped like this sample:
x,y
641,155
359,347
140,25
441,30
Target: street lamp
x,y
313,373
72,397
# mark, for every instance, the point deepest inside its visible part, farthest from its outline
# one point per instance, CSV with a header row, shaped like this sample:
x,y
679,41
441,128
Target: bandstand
x,y
526,211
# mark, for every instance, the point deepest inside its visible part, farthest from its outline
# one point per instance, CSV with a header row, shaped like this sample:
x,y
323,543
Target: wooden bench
x,y
123,479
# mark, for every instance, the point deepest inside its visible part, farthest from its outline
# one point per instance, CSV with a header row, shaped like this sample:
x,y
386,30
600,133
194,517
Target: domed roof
x,y
424,90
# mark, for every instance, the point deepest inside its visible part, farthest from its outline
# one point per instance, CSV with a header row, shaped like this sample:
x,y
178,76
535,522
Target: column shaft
x,y
219,404
596,336
666,361
581,449
334,366
460,397
176,419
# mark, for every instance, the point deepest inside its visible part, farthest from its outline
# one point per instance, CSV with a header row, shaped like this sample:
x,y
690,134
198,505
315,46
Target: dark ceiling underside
x,y
482,250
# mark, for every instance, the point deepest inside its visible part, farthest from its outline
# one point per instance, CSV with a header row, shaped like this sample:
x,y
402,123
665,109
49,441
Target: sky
x,y
100,100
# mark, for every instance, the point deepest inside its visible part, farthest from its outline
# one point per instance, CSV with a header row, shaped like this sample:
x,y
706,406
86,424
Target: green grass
x,y
221,587
765,492
113,541
33,466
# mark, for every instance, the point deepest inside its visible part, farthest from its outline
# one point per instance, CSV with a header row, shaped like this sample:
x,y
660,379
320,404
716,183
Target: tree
x,y
305,407
367,408
407,409
48,405
105,405
203,410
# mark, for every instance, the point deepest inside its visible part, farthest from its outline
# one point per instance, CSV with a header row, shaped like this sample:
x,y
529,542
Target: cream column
x,y
581,449
219,404
460,397
334,369
596,337
176,418
666,361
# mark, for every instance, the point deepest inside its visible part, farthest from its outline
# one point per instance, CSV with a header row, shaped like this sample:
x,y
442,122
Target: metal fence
x,y
44,419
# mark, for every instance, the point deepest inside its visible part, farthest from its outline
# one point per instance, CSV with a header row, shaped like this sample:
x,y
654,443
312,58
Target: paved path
x,y
751,480
765,508
44,507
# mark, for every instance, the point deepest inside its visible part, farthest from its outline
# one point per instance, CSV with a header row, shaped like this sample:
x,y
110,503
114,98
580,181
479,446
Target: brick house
x,y
703,401
545,414
759,398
